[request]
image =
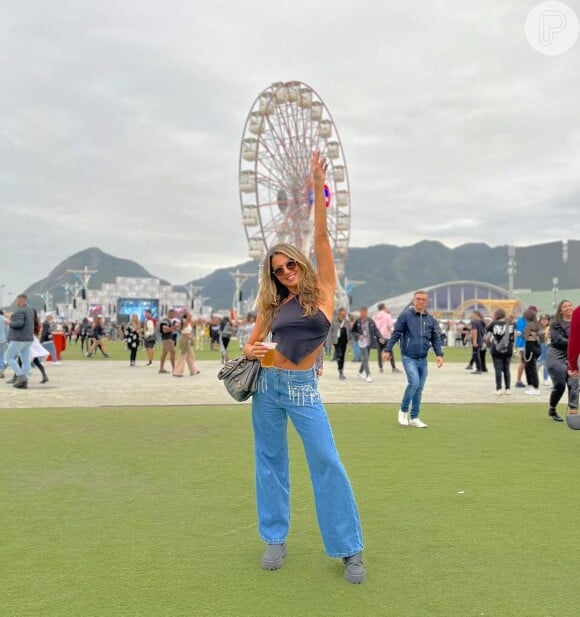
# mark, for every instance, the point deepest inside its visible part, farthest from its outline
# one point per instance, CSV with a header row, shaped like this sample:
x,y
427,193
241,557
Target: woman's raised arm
x,y
324,257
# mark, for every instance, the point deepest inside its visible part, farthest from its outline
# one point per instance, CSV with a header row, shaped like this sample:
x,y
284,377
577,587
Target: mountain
x,y
389,270
108,268
377,272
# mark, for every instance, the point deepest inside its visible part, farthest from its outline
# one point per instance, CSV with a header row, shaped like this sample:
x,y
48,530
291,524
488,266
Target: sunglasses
x,y
290,265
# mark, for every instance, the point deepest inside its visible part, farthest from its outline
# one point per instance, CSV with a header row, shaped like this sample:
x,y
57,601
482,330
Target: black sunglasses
x,y
290,265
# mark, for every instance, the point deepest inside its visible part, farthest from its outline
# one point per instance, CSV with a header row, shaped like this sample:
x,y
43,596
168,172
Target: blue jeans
x,y
3,347
284,394
22,349
416,371
49,346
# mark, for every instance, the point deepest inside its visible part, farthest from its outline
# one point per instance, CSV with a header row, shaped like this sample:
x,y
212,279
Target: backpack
x,y
502,346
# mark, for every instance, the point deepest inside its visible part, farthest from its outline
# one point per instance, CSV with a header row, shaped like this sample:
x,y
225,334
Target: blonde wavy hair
x,y
272,293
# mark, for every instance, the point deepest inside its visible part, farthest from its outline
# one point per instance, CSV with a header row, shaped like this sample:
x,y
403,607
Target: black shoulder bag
x,y
240,377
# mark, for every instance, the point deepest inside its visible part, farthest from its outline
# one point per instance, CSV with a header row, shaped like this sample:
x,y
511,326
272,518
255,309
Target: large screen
x,y
127,306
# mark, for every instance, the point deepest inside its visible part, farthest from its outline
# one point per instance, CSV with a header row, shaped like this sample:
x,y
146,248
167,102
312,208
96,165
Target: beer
x,y
268,359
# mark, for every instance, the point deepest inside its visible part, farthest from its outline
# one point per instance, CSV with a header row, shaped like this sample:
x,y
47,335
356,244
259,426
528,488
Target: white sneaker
x,y
507,392
360,376
369,378
498,392
403,418
417,423
532,392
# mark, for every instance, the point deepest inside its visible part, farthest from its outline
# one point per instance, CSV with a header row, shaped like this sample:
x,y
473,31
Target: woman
x,y
46,339
544,338
226,330
502,347
98,337
477,335
557,361
531,337
295,303
84,328
185,345
133,338
37,348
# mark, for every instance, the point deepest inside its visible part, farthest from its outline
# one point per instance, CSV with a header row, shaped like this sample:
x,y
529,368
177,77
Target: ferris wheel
x,y
287,122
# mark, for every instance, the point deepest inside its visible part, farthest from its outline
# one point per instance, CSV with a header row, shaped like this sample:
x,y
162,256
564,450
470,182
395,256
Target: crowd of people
x,y
540,344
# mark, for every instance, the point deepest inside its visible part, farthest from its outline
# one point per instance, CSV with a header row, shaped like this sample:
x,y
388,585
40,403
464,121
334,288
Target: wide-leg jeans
x,y
284,394
416,371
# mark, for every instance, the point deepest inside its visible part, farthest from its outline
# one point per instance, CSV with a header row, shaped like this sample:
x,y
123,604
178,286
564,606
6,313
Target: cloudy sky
x,y
121,121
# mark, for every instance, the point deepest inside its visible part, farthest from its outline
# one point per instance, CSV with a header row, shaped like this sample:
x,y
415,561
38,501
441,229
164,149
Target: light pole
x,y
511,269
193,291
555,282
239,278
349,285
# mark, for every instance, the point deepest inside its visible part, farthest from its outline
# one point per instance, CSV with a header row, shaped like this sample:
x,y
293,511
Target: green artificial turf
x,y
150,512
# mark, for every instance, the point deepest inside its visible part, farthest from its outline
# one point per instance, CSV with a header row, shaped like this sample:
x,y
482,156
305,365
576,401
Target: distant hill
x,y
108,268
386,270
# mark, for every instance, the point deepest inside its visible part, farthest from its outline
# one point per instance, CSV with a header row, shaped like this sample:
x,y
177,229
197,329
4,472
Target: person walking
x,y
185,344
521,346
295,304
418,331
98,338
531,337
557,362
3,343
544,339
477,335
226,331
149,336
339,330
385,324
167,327
38,351
46,339
20,337
502,347
84,330
367,337
133,338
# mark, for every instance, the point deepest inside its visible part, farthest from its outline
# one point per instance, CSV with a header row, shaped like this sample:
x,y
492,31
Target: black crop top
x,y
298,336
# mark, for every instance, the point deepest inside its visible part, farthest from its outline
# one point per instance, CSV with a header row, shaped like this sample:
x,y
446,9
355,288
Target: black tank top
x,y
298,336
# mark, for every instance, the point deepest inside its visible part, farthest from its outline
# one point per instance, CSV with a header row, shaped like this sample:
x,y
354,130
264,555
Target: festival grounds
x,y
126,492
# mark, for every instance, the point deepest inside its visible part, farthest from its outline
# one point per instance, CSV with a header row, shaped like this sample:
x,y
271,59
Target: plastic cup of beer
x,y
268,359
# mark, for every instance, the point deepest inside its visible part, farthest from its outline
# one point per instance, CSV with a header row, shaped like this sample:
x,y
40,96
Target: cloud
x,y
120,125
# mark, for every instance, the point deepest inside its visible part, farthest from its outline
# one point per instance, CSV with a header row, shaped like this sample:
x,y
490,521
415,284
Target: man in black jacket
x,y
418,331
367,335
20,337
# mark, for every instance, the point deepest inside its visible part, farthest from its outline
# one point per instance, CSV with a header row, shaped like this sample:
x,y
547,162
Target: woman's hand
x,y
255,350
319,167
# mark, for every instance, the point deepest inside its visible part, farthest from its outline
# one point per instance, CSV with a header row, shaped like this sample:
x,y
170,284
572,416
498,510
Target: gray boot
x,y
21,382
354,569
274,555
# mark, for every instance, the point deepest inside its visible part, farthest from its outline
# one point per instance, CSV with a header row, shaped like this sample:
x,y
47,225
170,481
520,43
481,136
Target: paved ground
x,y
90,383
